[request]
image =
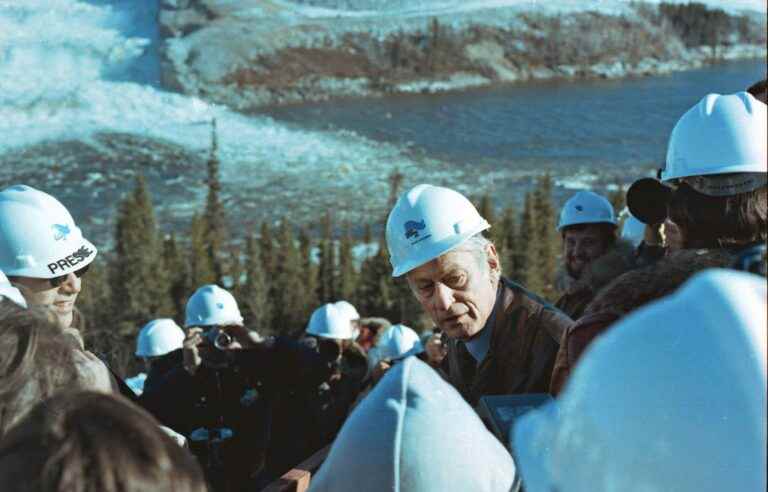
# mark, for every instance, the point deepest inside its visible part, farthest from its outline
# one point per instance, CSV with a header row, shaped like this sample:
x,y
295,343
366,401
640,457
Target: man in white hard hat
x,y
503,339
672,398
42,251
713,188
44,255
159,345
592,256
308,420
392,346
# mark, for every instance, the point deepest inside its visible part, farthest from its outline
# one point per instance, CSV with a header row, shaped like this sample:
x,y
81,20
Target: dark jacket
x,y
238,397
625,294
526,331
620,259
163,365
307,419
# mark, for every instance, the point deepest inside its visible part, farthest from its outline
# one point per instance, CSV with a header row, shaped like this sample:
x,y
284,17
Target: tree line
x,y
281,273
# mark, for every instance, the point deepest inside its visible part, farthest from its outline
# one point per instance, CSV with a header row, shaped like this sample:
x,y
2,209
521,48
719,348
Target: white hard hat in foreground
x,y
158,337
414,433
330,321
38,237
673,397
10,292
426,222
211,305
586,207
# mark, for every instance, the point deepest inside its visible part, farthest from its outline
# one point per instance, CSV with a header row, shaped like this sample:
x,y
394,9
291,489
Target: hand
x,y
654,234
191,350
379,370
435,349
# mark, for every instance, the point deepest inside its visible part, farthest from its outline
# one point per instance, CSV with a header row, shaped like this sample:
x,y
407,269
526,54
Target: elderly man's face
x,y
61,299
458,290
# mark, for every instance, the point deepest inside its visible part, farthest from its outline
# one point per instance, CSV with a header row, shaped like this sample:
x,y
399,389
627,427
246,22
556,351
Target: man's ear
x,y
494,264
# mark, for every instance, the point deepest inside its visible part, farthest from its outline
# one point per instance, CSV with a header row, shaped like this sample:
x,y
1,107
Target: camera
x,y
219,338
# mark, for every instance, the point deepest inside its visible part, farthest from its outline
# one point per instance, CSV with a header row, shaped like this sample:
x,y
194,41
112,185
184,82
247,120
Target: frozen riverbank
x,y
264,52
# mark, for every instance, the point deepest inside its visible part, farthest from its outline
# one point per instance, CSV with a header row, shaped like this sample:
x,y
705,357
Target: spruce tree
x,y
375,291
290,307
201,268
176,265
509,245
267,249
347,277
139,281
545,235
326,272
529,248
95,299
215,220
309,268
255,291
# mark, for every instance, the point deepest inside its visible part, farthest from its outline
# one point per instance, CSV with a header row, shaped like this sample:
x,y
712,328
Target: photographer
x,y
308,418
222,398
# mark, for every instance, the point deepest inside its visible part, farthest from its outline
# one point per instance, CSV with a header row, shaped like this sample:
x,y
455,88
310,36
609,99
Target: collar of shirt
x,y
479,345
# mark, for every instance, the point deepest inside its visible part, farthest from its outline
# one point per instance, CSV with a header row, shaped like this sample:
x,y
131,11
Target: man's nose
x,y
71,285
443,297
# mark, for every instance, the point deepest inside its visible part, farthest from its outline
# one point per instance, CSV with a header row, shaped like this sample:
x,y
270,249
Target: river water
x,y
82,112
586,133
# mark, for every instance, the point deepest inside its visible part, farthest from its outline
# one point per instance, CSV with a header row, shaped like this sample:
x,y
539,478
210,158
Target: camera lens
x,y
222,340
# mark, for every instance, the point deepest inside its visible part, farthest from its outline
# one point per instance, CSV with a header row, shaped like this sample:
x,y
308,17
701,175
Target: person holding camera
x,y
713,188
222,396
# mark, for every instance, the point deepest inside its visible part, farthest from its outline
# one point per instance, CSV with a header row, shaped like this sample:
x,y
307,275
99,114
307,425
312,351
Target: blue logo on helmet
x,y
220,305
60,231
579,208
412,228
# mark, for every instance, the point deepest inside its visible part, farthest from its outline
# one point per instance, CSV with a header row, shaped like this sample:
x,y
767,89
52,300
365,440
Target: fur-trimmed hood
x,y
638,287
617,260
578,293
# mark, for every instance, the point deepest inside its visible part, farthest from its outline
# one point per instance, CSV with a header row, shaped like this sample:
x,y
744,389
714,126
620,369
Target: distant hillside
x,y
252,53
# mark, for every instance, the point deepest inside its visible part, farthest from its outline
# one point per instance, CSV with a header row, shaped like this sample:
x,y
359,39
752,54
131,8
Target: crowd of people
x,y
655,351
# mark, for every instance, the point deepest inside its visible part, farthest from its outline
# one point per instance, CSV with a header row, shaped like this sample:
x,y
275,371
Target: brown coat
x,y
627,293
618,260
522,348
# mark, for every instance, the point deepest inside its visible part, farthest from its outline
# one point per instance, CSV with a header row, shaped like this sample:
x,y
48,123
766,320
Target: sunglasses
x,y
57,281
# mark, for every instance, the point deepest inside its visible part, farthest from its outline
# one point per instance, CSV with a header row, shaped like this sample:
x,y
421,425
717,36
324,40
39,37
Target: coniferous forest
x,y
282,272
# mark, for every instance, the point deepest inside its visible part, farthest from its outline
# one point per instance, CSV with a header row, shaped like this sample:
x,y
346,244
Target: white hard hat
x,y
398,341
427,222
330,321
349,310
722,134
211,305
650,407
38,237
633,230
158,337
586,207
10,292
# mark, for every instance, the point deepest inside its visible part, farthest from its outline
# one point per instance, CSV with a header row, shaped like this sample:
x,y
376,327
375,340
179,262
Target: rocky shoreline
x,y
248,58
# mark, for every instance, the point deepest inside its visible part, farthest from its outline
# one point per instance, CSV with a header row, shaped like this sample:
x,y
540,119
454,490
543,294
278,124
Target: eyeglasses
x,y
57,281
